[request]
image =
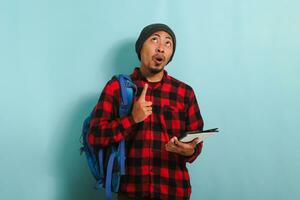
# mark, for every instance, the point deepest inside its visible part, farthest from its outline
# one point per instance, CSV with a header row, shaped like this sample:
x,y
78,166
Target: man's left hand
x,y
185,149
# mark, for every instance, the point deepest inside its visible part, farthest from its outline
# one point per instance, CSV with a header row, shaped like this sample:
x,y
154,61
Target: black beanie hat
x,y
148,31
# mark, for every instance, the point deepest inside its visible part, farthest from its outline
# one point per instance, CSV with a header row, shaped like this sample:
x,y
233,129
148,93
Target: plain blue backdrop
x,y
241,57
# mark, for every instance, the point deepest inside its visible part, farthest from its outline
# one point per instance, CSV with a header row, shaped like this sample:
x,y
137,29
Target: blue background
x,y
240,56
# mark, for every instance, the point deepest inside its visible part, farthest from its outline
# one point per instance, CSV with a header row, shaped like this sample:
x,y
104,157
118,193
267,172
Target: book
x,y
202,135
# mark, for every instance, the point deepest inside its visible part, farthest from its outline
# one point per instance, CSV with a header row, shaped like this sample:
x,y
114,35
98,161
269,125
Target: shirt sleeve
x,y
106,127
194,121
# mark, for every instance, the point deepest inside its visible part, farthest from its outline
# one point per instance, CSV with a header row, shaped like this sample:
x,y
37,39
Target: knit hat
x,y
148,31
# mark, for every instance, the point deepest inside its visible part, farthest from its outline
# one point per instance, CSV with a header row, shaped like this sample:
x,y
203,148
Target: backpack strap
x,y
109,174
100,182
127,90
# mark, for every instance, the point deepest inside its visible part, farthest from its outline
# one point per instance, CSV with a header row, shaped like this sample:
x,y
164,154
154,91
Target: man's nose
x,y
160,48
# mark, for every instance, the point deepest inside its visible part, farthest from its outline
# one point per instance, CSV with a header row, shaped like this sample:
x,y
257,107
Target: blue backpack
x,y
108,164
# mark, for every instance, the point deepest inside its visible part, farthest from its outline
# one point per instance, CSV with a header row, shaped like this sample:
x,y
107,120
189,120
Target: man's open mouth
x,y
158,59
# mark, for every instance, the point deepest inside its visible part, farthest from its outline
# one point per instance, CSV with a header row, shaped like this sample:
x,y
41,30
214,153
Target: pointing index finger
x,y
144,92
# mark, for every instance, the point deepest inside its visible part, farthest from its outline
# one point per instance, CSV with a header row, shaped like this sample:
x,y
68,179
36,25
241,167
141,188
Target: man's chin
x,y
156,70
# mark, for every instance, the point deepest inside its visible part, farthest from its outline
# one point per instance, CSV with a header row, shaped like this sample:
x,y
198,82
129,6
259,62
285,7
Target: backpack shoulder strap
x,y
128,90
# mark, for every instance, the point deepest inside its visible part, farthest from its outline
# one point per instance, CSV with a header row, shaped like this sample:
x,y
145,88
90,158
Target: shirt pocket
x,y
173,120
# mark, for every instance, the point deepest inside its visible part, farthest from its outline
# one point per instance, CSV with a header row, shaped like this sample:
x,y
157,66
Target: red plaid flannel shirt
x,y
151,171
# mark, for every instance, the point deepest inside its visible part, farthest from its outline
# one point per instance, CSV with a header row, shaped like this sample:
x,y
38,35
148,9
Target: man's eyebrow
x,y
155,34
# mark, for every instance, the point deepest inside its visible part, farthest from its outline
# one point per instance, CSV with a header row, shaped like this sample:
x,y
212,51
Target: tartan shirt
x,y
151,171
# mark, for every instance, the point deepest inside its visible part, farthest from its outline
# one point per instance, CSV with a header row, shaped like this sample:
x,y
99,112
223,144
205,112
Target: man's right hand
x,y
142,108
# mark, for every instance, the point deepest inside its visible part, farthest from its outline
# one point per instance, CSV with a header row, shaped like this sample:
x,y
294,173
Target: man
x,y
163,110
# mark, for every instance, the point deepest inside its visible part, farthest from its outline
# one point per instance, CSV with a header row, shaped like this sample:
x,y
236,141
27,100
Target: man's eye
x,y
154,39
168,44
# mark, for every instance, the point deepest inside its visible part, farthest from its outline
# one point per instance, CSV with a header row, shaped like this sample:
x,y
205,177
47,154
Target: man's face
x,y
156,51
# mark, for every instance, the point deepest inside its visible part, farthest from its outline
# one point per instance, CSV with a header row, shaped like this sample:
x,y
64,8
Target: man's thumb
x,y
196,141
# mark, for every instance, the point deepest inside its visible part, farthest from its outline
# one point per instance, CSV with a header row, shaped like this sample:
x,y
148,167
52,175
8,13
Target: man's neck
x,y
150,76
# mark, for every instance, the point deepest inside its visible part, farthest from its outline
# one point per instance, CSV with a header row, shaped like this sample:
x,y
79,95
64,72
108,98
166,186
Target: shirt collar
x,y
137,75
